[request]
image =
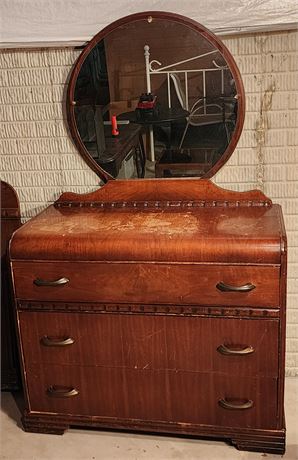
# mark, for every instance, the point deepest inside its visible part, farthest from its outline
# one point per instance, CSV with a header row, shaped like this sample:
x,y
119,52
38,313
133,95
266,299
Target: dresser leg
x,y
268,444
34,424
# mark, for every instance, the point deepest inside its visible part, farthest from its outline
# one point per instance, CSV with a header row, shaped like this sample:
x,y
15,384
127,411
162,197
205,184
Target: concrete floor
x,y
78,444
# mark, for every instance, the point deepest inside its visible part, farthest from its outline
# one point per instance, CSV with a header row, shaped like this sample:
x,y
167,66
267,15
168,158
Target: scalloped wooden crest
x,y
163,193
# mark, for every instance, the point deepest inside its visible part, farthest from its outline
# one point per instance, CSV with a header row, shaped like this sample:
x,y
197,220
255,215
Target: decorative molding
x,y
175,310
259,440
38,425
163,204
163,193
270,445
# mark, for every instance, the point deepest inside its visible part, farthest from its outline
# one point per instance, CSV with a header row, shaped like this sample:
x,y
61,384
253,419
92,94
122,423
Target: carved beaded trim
x,y
163,204
177,310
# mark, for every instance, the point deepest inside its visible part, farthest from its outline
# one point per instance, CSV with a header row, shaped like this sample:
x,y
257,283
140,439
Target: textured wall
x,y
267,153
40,161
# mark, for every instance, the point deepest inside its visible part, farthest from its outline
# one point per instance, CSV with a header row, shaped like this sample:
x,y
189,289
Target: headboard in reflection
x,y
174,90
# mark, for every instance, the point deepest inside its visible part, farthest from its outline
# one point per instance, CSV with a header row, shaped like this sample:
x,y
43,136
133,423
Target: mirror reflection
x,y
155,98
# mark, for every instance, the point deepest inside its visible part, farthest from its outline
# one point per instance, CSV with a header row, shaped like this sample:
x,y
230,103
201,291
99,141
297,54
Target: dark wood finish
x,y
244,231
193,25
183,163
145,309
188,283
141,335
258,440
10,221
117,148
282,322
165,115
153,395
163,193
151,342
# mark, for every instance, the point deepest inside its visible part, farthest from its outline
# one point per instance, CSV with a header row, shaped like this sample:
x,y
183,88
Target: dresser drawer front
x,y
148,283
183,397
152,342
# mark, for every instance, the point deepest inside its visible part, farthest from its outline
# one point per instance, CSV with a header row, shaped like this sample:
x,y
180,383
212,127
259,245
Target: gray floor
x,y
77,444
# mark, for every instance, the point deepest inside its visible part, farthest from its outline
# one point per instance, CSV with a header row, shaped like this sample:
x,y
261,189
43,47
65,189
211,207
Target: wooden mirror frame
x,y
70,104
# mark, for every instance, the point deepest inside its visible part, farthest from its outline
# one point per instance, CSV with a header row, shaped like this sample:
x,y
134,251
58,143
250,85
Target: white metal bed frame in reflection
x,y
184,98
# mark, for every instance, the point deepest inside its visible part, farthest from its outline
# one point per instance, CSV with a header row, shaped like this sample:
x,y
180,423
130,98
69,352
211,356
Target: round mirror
x,y
155,95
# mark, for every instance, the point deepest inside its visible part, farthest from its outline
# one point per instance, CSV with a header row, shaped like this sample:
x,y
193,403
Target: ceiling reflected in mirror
x,y
155,97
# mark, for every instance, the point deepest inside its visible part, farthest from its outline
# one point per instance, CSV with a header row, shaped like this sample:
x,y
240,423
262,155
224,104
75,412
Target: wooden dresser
x,y
156,305
10,221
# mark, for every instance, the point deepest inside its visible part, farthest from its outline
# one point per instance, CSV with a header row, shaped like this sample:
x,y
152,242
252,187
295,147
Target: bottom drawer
x,y
164,395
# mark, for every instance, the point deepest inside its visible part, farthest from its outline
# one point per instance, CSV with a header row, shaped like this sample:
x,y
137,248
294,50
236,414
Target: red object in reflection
x,y
115,131
147,101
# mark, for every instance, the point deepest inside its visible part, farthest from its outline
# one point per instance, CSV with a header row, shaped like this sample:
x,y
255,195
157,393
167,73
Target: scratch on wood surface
x,y
149,336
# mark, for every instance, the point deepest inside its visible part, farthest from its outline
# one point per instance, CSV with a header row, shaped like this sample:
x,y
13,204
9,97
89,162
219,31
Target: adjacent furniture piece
x,y
165,116
155,304
10,221
185,162
164,119
128,144
110,153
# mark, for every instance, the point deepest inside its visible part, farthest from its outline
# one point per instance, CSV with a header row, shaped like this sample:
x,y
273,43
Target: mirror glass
x,y
154,97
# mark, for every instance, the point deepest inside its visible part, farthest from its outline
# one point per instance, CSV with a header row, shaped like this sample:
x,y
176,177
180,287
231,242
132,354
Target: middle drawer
x,y
226,345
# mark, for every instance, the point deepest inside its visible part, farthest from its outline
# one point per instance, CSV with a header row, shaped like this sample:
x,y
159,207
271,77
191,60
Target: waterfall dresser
x,y
156,304
160,308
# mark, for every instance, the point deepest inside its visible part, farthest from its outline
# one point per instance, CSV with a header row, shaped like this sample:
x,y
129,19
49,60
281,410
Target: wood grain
x,y
176,396
231,234
164,190
259,440
146,316
148,283
152,342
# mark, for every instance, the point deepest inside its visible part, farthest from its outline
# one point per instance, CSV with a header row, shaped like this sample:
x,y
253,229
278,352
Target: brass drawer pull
x,y
221,286
224,350
228,405
60,392
59,282
52,342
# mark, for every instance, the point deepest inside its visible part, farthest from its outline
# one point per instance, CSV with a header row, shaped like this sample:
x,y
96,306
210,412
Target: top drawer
x,y
148,283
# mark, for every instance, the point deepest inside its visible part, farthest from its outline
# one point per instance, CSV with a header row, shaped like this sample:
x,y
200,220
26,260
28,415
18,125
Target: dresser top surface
x,y
197,234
